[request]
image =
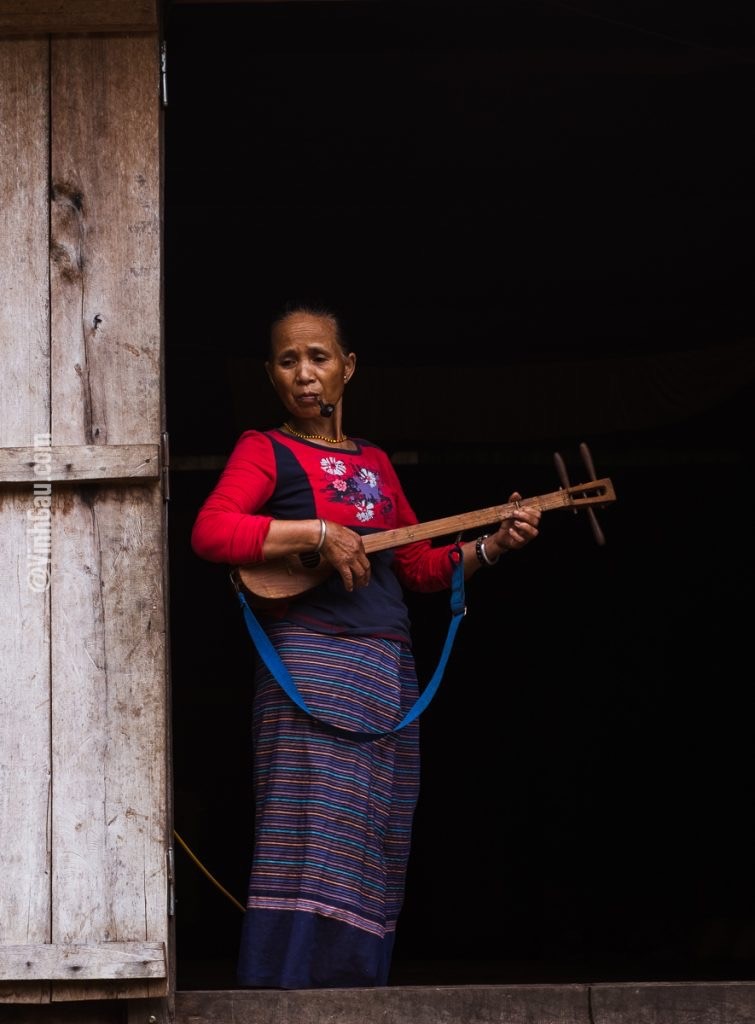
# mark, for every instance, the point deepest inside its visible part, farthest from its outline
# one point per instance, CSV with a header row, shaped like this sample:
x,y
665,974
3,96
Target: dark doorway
x,y
558,195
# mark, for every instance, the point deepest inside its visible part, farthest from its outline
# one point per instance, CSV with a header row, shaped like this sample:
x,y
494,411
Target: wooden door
x,y
84,809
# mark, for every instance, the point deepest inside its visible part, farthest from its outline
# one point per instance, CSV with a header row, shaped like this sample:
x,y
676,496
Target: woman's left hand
x,y
515,531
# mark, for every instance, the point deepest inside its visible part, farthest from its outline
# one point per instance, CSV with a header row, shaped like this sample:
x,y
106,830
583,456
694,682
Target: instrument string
x,y
204,870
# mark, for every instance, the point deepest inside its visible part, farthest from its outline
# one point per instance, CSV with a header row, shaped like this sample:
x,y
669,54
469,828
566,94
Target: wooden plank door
x,y
25,749
84,809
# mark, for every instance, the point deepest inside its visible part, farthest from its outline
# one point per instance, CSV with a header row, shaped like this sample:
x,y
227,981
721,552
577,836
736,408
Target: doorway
x,y
518,191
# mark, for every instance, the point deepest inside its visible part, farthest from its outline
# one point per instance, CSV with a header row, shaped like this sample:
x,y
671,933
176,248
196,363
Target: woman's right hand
x,y
344,549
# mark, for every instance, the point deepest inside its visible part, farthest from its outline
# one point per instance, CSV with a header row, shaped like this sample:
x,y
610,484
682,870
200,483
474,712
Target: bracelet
x,y
482,556
321,541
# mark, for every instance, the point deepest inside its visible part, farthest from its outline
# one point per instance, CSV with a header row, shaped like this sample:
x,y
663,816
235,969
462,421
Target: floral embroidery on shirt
x,y
330,464
356,486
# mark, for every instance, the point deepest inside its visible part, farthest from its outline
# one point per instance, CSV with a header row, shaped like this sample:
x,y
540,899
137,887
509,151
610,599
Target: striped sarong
x,y
333,816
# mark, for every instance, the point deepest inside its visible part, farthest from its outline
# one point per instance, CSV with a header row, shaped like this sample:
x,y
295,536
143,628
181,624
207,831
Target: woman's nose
x,y
304,371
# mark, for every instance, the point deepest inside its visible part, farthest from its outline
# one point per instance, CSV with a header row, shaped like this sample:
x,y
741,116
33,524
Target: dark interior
x,y
536,219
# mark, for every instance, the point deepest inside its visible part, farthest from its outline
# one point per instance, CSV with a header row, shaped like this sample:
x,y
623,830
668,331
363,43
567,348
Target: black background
x,y
492,186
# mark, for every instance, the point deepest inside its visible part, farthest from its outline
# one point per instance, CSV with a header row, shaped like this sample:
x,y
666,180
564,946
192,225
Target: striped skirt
x,y
333,815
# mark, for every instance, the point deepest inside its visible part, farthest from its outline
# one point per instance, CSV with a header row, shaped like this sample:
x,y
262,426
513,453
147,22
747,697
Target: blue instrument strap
x,y
281,674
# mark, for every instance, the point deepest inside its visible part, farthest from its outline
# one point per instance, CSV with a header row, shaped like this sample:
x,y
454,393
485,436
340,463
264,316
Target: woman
x,y
333,815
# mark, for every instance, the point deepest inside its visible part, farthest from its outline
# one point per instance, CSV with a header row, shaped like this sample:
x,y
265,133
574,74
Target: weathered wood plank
x,y
24,258
114,991
109,707
29,17
79,463
109,716
681,1003
84,961
474,1004
656,1003
701,1003
24,412
25,766
105,276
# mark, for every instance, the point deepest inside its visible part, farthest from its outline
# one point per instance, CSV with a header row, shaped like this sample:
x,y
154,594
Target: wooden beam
x,y
59,463
515,1004
32,17
649,1003
64,962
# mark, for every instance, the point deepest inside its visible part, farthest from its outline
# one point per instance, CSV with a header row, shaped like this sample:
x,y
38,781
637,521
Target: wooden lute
x,y
286,577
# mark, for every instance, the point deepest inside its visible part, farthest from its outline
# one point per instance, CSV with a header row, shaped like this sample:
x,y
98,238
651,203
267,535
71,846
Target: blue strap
x,y
281,674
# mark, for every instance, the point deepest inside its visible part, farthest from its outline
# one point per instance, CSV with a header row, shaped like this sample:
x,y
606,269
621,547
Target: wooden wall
x,y
84,809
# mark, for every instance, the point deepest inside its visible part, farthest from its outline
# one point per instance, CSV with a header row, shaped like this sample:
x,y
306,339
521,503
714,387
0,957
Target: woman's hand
x,y
514,531
344,549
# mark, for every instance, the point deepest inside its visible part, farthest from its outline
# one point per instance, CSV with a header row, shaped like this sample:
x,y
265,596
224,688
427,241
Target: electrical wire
x,y
204,870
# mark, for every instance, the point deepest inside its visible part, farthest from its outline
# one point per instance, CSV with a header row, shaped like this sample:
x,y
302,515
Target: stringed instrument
x,y
287,577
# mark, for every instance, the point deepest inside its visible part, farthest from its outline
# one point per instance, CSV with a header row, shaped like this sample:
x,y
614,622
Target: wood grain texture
x,y
104,960
475,1004
83,805
25,765
693,1003
109,718
105,246
109,714
680,1003
657,1003
24,217
28,17
79,463
24,411
108,657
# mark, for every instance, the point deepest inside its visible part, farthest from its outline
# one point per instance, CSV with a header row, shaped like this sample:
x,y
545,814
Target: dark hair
x,y
309,309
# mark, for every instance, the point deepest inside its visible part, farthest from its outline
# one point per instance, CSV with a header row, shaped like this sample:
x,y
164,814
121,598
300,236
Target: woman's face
x,y
307,363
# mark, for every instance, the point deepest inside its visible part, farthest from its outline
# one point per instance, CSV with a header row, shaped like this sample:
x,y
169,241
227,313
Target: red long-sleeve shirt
x,y
273,475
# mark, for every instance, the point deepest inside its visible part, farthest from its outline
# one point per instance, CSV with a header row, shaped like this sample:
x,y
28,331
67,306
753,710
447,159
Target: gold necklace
x,y
315,437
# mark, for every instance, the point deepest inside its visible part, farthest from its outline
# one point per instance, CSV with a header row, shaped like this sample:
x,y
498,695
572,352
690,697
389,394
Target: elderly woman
x,y
335,790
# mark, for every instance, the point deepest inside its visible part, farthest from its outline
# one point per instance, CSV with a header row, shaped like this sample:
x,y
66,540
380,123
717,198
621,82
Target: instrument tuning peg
x,y
590,467
584,451
564,478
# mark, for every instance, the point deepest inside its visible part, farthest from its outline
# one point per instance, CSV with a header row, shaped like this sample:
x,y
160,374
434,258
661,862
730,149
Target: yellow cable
x,y
202,868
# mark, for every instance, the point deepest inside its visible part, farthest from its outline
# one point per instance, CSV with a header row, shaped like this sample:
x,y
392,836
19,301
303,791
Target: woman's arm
x,y
229,526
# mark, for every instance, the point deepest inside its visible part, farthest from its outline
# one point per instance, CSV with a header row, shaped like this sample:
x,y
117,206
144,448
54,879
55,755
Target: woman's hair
x,y
309,309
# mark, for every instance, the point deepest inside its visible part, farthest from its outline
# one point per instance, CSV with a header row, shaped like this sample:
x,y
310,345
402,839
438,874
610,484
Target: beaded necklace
x,y
314,437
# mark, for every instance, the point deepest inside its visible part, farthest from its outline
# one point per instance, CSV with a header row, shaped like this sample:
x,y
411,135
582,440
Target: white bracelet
x,y
321,541
482,553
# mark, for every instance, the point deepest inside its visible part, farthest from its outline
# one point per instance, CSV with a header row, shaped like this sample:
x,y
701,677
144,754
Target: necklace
x,y
315,437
